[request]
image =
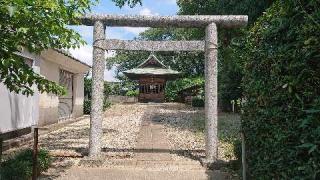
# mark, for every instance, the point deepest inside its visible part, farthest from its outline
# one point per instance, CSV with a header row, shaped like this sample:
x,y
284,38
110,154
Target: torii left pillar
x,y
211,93
98,67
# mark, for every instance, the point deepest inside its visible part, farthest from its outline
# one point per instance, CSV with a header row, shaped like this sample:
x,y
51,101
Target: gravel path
x,y
182,125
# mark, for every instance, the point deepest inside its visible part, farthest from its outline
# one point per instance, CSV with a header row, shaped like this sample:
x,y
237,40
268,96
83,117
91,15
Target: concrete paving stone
x,y
135,174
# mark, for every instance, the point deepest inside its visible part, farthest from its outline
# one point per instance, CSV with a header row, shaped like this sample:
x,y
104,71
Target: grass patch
x,y
228,126
228,133
19,165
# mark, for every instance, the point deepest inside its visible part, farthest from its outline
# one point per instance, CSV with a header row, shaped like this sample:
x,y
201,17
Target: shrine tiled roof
x,y
167,73
152,67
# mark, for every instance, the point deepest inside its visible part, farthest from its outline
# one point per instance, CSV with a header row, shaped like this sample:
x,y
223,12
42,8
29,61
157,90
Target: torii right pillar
x,y
211,93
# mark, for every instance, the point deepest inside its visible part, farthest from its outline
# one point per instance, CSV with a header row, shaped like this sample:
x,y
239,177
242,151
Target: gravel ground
x,y
185,129
183,124
121,125
120,129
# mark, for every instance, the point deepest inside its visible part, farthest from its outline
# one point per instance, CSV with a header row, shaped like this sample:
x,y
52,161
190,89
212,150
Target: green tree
x,y
192,63
281,83
230,68
37,25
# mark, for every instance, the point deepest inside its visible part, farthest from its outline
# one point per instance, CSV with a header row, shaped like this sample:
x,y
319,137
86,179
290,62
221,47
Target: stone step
x,y
144,164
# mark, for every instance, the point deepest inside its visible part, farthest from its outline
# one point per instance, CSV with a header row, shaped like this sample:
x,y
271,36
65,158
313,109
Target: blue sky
x,y
149,7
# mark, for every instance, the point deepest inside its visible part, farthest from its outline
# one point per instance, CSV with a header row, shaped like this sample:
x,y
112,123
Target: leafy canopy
x,y
37,25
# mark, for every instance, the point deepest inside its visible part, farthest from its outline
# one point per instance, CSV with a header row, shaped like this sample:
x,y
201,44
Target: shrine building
x,y
152,76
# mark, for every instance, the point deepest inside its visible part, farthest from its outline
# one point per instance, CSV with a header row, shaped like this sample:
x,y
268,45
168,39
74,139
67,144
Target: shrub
x,y
106,104
173,87
87,105
237,149
197,102
281,119
132,93
19,167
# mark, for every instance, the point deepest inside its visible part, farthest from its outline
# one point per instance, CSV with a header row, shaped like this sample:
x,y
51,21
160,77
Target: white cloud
x,y
169,1
146,12
84,54
135,30
109,75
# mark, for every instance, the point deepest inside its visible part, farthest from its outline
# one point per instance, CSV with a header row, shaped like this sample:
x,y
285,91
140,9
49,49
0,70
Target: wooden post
x,y
233,102
243,157
35,154
1,141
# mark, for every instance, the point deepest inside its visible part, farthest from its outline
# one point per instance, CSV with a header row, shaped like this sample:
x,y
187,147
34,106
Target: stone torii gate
x,y
210,46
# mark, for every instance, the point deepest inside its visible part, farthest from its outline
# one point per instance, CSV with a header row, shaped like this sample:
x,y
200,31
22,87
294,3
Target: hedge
x,y
281,118
197,102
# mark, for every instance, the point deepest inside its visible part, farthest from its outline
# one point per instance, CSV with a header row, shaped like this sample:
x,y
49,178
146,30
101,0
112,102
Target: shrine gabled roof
x,y
135,73
152,67
152,61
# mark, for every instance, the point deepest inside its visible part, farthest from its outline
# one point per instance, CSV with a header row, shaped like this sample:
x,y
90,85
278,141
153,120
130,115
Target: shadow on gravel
x,y
176,115
186,153
184,117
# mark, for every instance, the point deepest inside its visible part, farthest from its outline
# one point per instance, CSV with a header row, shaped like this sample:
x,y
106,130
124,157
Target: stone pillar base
x,y
212,164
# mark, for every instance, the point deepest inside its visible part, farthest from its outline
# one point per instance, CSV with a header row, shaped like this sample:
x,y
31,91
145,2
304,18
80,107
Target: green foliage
x,y
19,167
173,87
197,102
192,63
115,88
237,151
35,25
87,105
88,95
132,93
253,8
228,134
106,104
281,117
230,68
130,3
88,88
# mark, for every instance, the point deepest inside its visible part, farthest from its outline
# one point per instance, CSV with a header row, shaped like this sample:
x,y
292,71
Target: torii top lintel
x,y
182,21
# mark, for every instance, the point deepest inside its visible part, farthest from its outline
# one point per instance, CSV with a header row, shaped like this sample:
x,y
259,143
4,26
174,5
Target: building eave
x,y
71,57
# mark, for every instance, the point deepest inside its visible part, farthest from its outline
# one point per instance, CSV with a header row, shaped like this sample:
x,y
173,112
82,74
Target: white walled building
x,y
20,112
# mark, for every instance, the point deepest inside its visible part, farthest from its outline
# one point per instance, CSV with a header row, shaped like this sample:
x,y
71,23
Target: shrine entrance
x,y
209,46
